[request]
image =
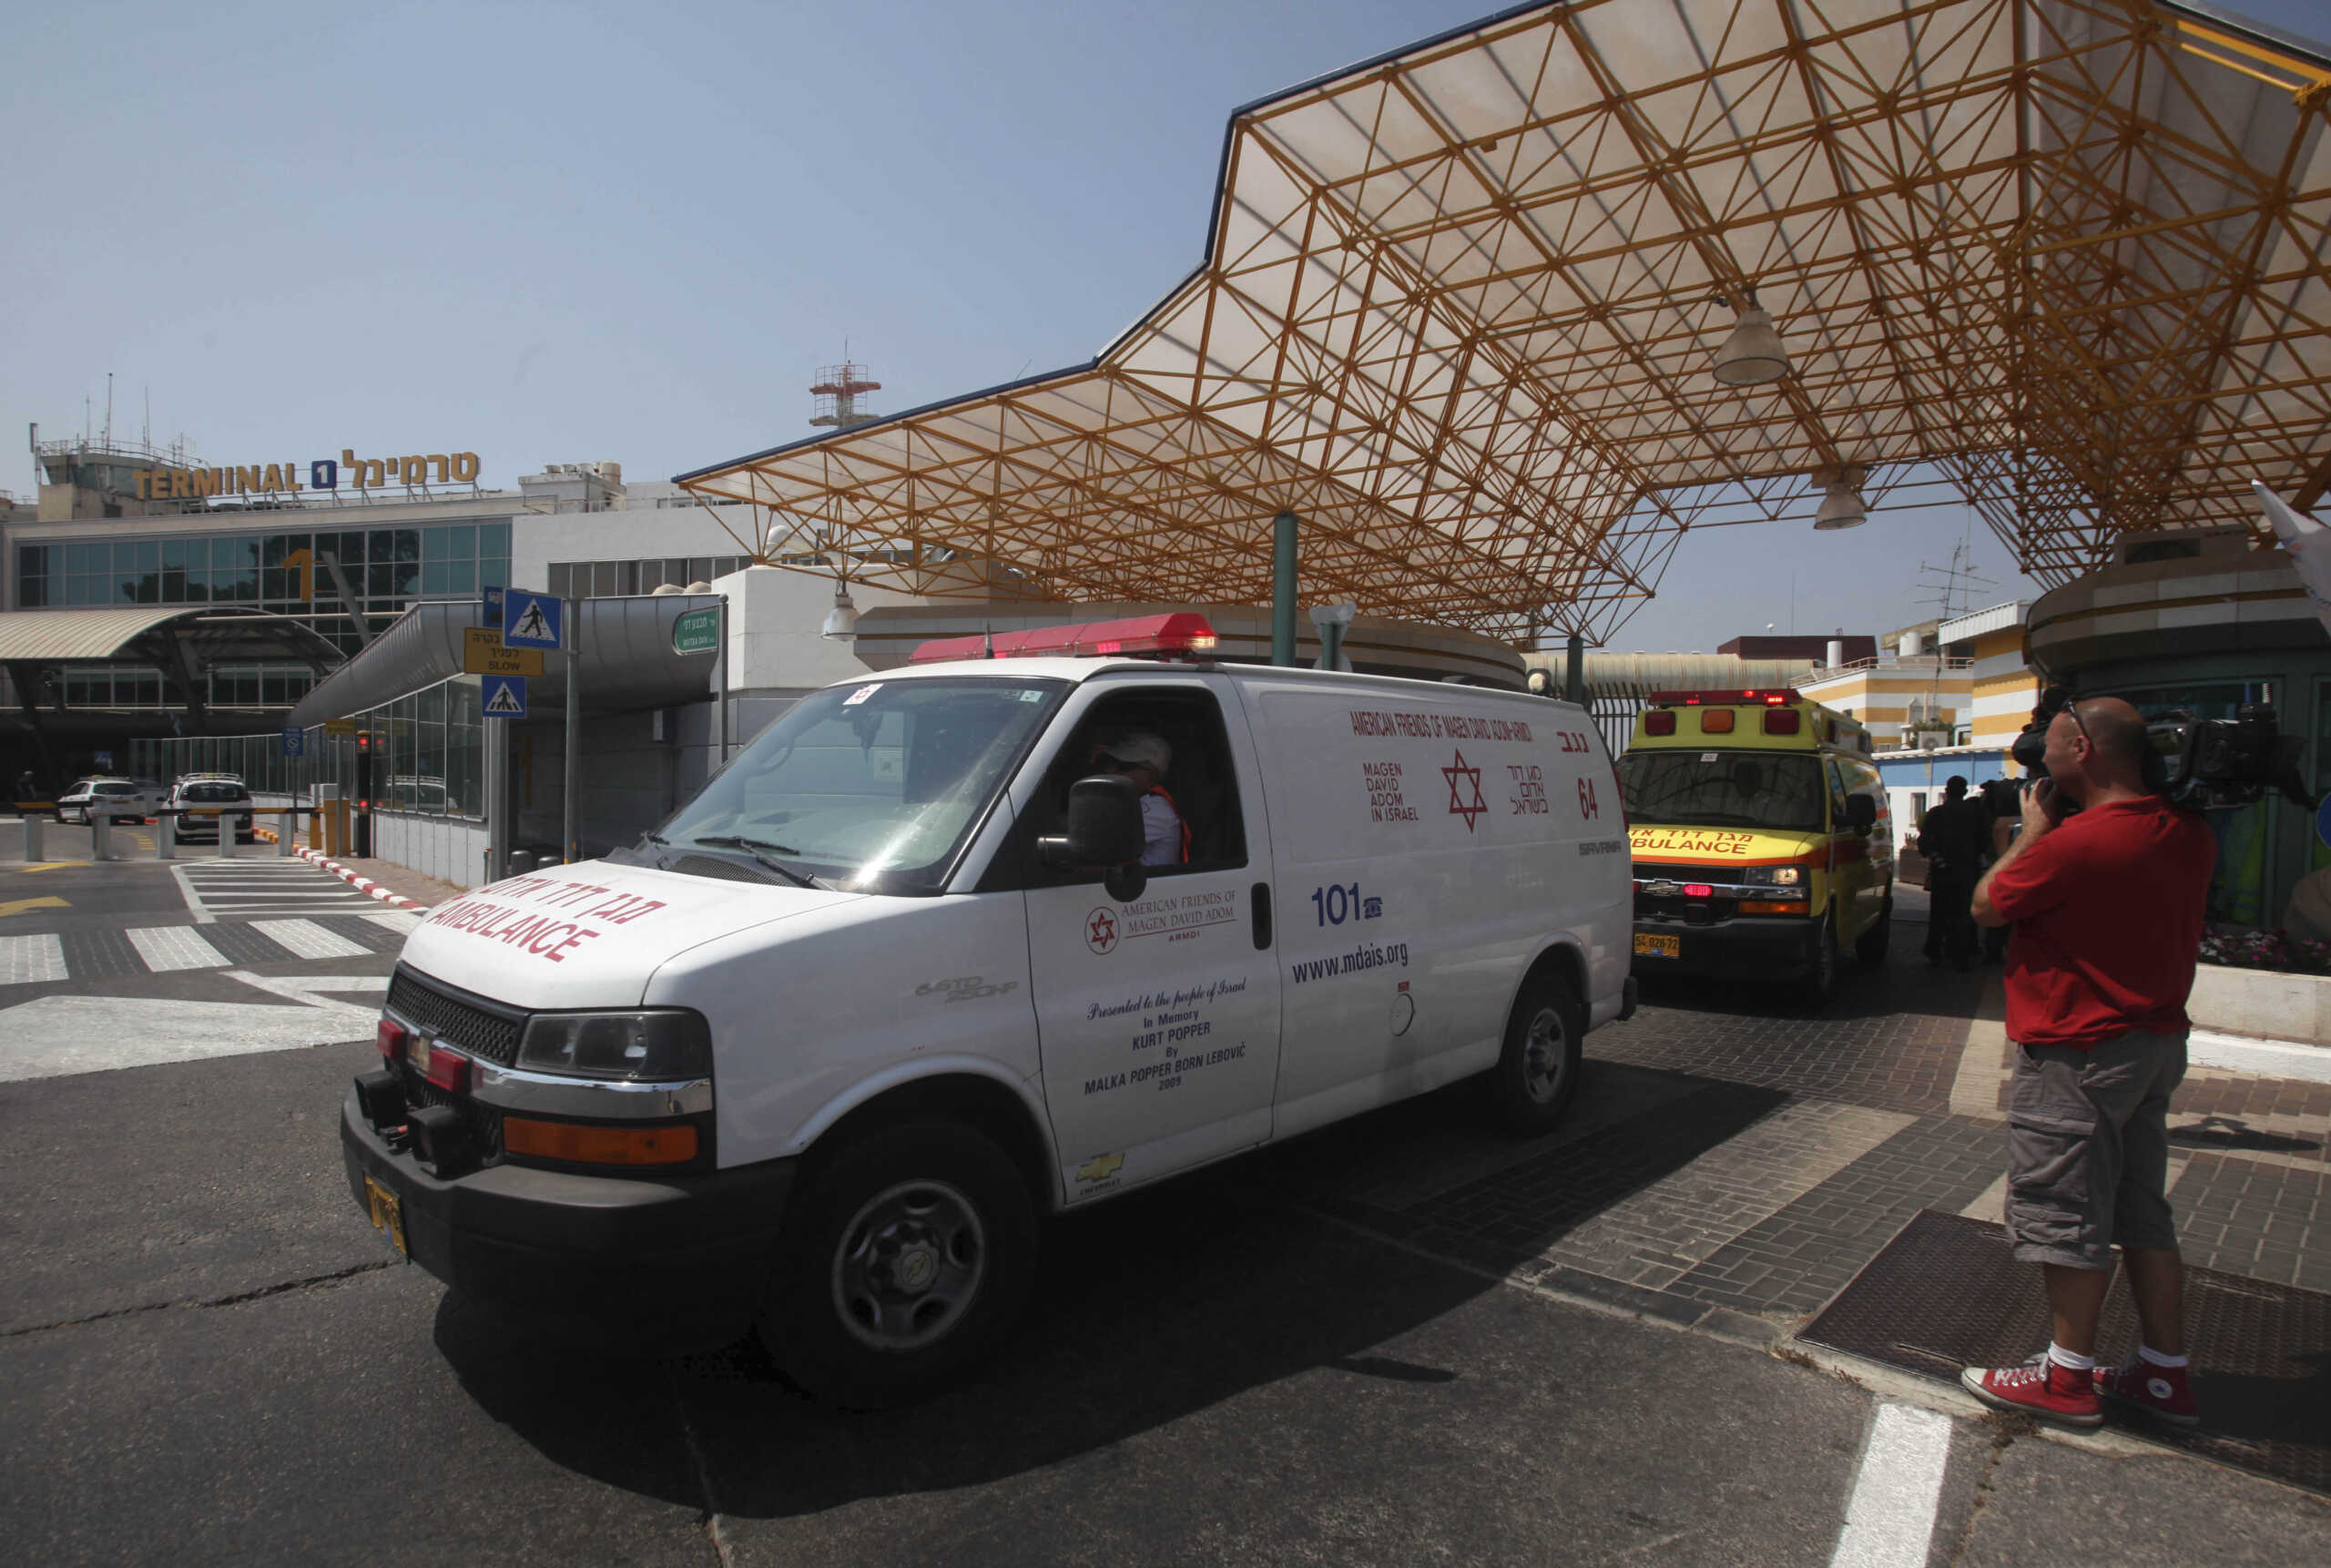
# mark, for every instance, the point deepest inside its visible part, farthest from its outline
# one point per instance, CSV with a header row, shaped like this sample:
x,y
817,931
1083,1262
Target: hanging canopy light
x,y
1841,504
1752,353
842,621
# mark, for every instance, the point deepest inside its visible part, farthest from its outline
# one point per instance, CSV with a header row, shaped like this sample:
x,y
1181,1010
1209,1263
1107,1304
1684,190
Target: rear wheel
x,y
904,1260
1870,945
1537,1072
1820,982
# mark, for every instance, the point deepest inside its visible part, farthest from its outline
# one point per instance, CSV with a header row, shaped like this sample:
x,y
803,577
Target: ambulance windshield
x,y
1722,788
875,786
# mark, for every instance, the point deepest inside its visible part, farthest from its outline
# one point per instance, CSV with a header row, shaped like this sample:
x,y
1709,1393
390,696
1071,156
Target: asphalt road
x,y
207,1355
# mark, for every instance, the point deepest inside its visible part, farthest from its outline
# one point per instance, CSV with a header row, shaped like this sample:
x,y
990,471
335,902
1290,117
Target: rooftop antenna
x,y
146,435
838,389
109,410
1951,588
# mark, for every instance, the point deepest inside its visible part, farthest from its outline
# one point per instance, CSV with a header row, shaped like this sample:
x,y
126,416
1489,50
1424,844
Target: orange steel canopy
x,y
1459,305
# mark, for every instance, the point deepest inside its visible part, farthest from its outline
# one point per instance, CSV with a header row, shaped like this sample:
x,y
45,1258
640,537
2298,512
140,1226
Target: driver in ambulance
x,y
1144,759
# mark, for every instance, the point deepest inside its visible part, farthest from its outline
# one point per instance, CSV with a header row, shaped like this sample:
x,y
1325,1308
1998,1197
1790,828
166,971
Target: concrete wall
x,y
2262,1002
451,848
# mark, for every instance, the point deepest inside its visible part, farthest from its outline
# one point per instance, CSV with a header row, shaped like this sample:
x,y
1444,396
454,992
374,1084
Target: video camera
x,y
2196,764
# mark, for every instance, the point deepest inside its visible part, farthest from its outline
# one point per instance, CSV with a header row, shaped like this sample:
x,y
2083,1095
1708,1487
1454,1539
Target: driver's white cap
x,y
1144,748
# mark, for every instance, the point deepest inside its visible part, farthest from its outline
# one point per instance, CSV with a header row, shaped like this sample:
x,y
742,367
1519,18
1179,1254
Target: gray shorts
x,y
2088,1148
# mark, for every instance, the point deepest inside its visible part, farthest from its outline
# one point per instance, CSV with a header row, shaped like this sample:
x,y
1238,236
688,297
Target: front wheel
x,y
1870,945
1820,982
1537,1072
905,1259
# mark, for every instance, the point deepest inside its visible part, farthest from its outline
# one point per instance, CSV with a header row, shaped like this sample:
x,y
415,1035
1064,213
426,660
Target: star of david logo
x,y
1458,804
1101,930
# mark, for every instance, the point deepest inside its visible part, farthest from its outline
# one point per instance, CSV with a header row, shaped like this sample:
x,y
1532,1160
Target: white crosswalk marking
x,y
169,947
309,940
242,889
404,922
26,958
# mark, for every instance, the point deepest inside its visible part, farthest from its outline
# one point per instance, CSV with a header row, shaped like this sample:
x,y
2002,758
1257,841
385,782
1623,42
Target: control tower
x,y
837,390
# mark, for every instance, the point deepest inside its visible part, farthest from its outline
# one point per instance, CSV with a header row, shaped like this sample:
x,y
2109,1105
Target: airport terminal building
x,y
158,616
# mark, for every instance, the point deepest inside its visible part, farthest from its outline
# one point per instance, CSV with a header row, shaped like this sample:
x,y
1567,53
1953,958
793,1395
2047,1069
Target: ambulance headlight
x,y
660,1045
1784,877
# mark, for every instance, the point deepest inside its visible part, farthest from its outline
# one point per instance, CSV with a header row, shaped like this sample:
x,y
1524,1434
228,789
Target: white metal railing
x,y
1910,663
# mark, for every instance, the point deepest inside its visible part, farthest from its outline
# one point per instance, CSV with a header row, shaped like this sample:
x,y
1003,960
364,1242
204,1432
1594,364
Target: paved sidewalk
x,y
1733,1160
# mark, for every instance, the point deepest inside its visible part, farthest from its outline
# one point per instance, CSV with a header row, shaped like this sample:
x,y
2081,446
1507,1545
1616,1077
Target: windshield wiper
x,y
753,847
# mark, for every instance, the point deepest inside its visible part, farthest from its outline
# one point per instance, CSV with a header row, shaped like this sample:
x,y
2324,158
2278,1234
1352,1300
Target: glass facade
x,y
619,579
290,573
428,755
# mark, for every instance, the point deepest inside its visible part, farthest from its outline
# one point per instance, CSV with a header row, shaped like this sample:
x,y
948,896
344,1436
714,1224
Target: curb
x,y
2265,1058
362,884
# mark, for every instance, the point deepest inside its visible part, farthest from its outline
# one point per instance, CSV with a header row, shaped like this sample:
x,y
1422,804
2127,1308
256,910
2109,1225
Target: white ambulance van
x,y
817,1057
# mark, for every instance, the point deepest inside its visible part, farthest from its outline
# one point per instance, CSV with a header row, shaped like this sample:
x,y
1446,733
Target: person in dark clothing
x,y
1954,840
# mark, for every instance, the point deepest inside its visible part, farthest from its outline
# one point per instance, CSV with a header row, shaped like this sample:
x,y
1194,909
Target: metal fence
x,y
428,753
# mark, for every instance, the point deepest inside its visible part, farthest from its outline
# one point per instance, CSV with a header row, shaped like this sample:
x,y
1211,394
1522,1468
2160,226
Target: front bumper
x,y
677,1261
1744,947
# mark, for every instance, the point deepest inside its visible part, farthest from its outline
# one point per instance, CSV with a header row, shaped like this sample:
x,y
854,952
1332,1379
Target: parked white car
x,y
819,1056
126,800
207,799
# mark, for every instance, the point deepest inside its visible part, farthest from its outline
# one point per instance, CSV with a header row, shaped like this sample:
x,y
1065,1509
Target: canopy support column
x,y
1283,590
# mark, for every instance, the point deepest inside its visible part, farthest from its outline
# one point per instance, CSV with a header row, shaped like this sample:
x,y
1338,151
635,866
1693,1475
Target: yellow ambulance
x,y
1760,836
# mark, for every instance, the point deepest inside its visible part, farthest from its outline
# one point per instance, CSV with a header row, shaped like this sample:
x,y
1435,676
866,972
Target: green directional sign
x,y
697,632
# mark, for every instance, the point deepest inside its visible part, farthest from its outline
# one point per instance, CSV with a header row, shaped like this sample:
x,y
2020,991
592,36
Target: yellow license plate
x,y
388,1212
1649,945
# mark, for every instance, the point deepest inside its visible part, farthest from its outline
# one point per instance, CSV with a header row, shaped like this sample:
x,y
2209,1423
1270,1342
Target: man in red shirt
x,y
2107,906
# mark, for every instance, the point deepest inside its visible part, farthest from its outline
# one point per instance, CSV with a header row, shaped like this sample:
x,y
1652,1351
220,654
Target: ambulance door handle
x,y
1262,902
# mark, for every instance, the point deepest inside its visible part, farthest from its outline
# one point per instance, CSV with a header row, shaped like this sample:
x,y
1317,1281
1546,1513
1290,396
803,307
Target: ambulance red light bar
x,y
1772,697
1181,635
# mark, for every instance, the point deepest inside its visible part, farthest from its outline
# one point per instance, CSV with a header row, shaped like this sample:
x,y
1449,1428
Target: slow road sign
x,y
483,654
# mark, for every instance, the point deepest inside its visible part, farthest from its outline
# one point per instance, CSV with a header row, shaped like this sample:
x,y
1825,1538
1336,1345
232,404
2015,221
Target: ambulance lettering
x,y
549,937
1692,841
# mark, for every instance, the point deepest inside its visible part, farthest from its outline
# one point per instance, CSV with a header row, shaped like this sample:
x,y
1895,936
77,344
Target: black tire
x,y
1870,946
1537,1073
1820,982
896,1201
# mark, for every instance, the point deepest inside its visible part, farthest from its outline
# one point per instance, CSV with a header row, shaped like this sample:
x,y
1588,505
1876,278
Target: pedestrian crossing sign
x,y
506,695
529,620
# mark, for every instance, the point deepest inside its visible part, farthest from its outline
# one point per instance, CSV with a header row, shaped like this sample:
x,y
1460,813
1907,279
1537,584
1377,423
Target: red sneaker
x,y
2038,1388
2161,1393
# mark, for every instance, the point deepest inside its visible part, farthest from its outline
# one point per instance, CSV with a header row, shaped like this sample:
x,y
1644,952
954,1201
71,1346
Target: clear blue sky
x,y
562,232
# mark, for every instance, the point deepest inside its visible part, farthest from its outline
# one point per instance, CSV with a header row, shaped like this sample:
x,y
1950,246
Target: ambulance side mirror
x,y
1103,830
1861,813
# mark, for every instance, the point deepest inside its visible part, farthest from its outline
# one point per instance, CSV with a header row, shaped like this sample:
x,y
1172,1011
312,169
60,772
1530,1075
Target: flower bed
x,y
2241,947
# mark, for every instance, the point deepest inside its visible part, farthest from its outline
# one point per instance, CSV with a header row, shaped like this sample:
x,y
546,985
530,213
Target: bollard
x,y
100,834
166,836
32,839
226,835
287,822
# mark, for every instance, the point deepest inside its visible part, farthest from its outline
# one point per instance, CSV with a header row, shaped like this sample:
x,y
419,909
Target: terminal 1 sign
x,y
323,474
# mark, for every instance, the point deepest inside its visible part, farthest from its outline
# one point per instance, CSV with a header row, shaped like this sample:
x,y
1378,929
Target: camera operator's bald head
x,y
2115,729
2111,763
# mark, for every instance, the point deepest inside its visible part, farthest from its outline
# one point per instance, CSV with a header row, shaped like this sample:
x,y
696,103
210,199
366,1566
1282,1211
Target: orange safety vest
x,y
1159,790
